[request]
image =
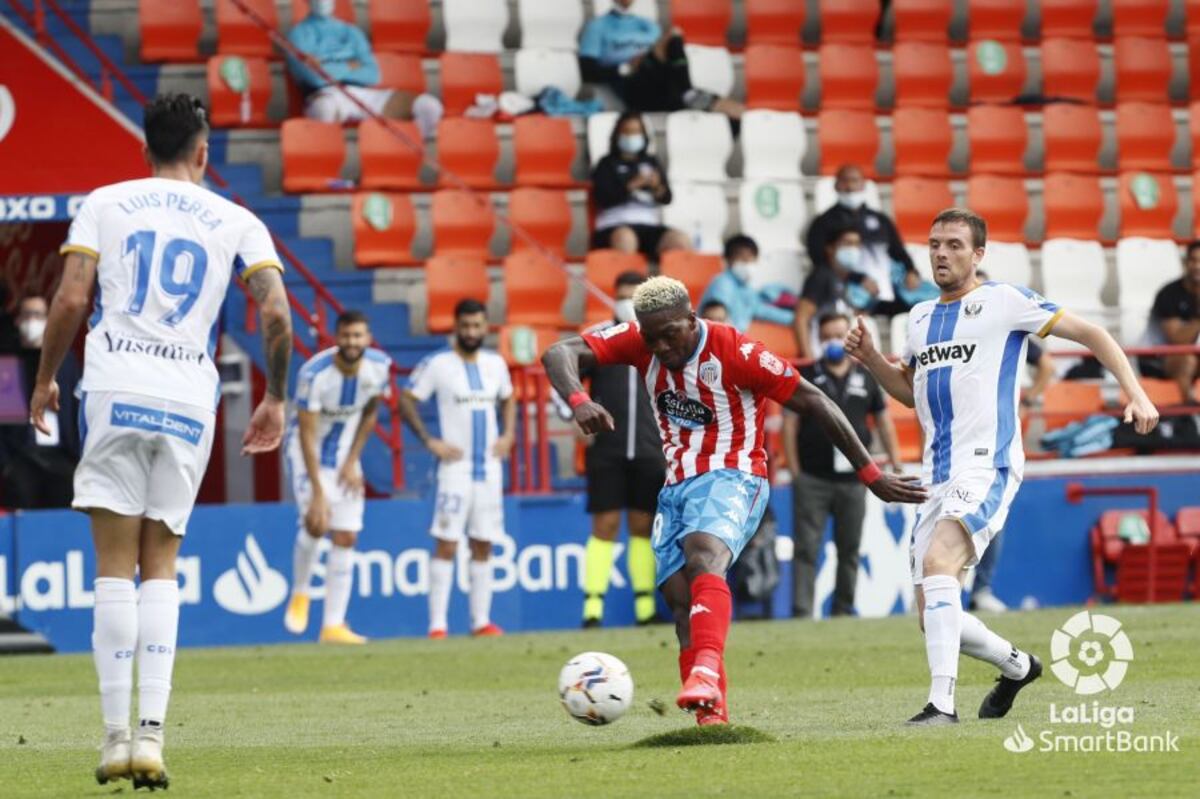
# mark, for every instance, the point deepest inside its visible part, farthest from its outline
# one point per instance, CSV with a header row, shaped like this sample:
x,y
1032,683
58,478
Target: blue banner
x,y
40,207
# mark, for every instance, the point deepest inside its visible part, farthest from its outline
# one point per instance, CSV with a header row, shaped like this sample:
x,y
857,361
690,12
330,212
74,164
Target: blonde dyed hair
x,y
660,294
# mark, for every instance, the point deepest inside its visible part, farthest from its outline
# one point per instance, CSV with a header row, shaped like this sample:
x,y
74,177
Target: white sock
x,y
114,639
339,576
943,633
158,627
982,644
441,576
304,555
481,593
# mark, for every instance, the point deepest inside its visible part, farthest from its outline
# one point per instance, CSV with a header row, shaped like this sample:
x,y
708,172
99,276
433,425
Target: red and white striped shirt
x,y
710,413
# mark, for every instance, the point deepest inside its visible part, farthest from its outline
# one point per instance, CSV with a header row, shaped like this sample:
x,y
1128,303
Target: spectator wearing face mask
x,y
824,483
826,288
734,288
343,52
629,189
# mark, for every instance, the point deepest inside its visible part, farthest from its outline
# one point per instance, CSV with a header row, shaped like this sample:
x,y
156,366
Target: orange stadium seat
x,y
1066,401
998,139
1162,393
774,22
446,278
170,30
601,269
1143,68
1193,50
466,74
922,138
1140,17
849,75
774,76
1149,203
996,19
399,25
386,161
923,74
342,9
238,35
1003,202
695,270
247,106
916,201
849,20
1145,135
463,223
384,227
1069,18
544,149
545,214
1072,138
1073,205
996,70
1194,127
401,71
468,149
847,137
702,21
535,288
1196,205
779,339
313,153
522,345
922,20
1070,69
908,429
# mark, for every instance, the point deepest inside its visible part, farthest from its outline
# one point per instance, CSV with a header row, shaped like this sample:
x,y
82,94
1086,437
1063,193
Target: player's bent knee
x,y
344,538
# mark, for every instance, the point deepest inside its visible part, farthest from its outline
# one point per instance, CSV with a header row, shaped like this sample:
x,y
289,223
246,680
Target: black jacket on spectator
x,y
875,228
34,475
610,180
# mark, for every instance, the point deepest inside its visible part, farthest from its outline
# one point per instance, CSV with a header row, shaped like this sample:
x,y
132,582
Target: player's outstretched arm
x,y
67,312
562,363
895,380
266,424
1140,410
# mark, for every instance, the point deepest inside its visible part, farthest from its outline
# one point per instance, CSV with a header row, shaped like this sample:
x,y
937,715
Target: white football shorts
x,y
331,105
977,498
470,508
345,508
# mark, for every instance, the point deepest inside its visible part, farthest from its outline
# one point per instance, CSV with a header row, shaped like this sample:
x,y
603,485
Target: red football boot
x,y
488,631
701,690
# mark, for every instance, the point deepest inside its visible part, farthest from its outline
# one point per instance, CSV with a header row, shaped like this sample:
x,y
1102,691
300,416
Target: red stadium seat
x,y
238,35
1072,137
544,149
1003,202
1149,203
544,214
313,153
534,289
466,74
849,20
1194,126
774,77
996,19
922,20
170,30
1069,18
601,269
342,9
695,270
774,22
916,202
469,150
447,279
239,91
922,138
401,71
1143,68
384,227
1073,205
463,223
1145,136
849,75
998,139
703,21
996,71
1070,69
399,25
923,74
847,137
387,161
1140,17
779,339
1187,525
1193,50
1108,547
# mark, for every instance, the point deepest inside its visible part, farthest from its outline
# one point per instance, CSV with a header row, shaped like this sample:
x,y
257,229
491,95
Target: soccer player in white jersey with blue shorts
x,y
160,252
469,382
959,369
336,405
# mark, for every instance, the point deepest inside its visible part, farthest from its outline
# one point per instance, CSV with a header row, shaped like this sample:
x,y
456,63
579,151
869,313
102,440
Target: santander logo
x,y
8,111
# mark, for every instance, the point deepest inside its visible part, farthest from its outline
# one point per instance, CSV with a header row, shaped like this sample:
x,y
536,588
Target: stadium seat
x,y
1194,128
239,91
1162,393
922,20
1070,69
169,30
773,213
916,201
399,26
774,76
996,19
1148,205
702,21
1073,273
342,9
1007,261
463,223
599,131
555,25
922,139
908,429
779,339
466,74
1109,528
1068,18
1133,585
1193,50
474,26
996,71
847,136
544,149
401,71
1066,401
923,74
695,270
1073,206
641,8
445,278
710,69
1145,136
918,252
773,144
386,160
1072,138
601,269
1187,523
698,145
534,289
1003,202
1196,205
1140,17
1144,265
238,35
384,227
785,267
998,138
774,22
848,20
825,194
1143,68
313,153
535,69
700,211
522,345
544,214
849,75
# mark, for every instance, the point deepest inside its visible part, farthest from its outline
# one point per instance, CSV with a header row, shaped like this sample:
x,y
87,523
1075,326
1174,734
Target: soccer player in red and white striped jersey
x,y
709,385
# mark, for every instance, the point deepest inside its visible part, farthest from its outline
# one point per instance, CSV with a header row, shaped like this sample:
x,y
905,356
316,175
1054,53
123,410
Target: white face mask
x,y
631,143
852,199
848,257
323,8
623,310
32,331
741,270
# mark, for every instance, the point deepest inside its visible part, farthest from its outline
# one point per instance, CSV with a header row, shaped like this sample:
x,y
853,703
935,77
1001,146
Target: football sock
x,y
711,611
158,626
687,658
598,561
339,576
943,632
640,560
982,644
114,639
481,593
441,575
304,553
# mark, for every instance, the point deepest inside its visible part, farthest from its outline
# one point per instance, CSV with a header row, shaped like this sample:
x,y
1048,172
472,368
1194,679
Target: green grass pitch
x,y
480,718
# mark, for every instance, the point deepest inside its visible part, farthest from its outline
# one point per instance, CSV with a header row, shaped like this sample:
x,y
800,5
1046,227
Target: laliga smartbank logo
x,y
1090,654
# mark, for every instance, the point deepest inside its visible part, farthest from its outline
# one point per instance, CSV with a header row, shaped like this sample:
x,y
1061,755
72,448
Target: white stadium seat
x,y
552,24
475,26
710,69
698,145
919,253
1073,273
897,331
772,213
1143,267
599,130
824,195
773,144
700,211
1007,262
642,8
536,68
784,267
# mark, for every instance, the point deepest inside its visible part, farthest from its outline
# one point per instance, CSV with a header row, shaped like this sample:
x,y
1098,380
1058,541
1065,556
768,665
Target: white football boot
x,y
146,763
114,757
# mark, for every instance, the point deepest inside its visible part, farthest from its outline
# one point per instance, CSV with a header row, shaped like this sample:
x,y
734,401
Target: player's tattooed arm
x,y
67,312
563,362
266,286
407,403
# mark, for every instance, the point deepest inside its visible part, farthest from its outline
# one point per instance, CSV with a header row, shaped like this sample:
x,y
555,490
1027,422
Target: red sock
x,y
712,607
687,657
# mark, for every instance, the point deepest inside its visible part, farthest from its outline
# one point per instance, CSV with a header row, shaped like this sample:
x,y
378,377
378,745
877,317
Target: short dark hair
x,y
830,316
1193,245
616,130
837,232
173,123
350,317
630,278
469,307
738,242
708,306
969,218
